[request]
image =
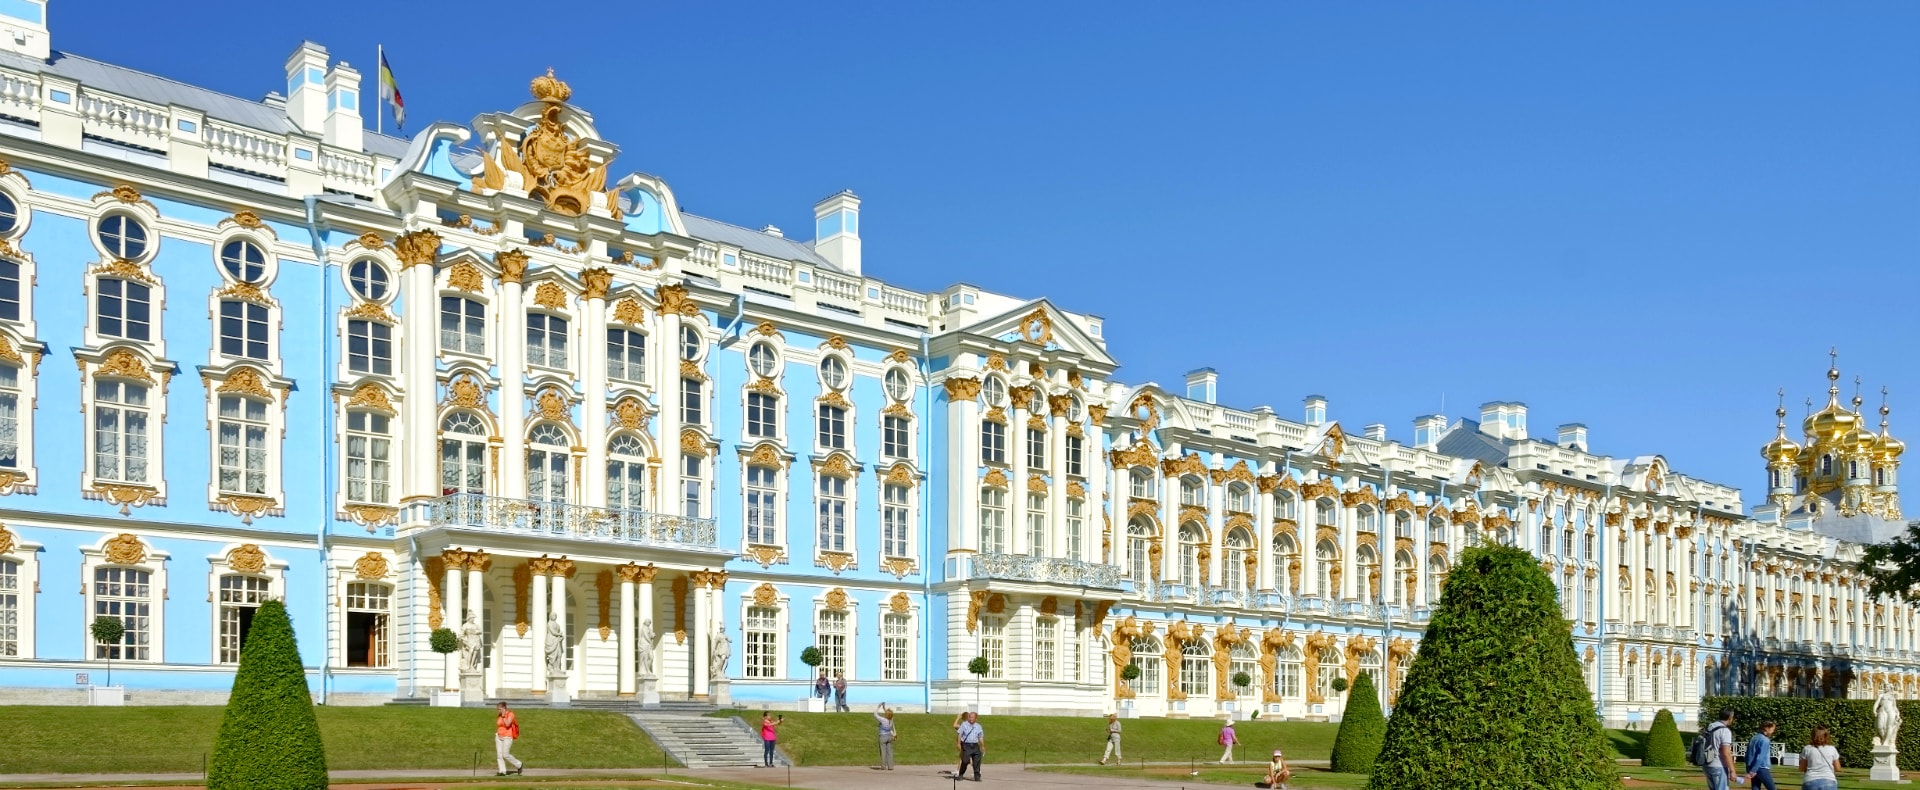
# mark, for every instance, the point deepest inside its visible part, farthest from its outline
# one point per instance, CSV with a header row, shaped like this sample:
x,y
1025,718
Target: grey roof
x,y
752,240
1466,441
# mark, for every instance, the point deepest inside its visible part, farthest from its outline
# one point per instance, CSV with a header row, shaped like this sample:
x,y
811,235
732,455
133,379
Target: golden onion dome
x,y
1834,422
1781,450
1885,447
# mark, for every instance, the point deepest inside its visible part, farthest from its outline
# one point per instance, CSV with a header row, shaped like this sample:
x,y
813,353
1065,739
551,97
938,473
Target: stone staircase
x,y
702,741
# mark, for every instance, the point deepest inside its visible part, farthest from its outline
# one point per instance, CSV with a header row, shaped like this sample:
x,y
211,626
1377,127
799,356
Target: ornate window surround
x,y
841,465
27,554
246,293
469,276
768,455
139,269
767,596
239,559
129,362
115,550
374,396
371,567
249,382
912,614
837,599
540,298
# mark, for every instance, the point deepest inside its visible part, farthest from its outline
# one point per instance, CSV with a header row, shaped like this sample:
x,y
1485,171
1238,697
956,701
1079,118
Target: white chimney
x,y
1377,432
1202,385
836,231
344,127
1573,435
1427,430
1493,419
1516,420
773,231
23,28
1316,409
307,88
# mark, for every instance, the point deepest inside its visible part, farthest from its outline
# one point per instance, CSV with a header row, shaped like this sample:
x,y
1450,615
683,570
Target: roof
x,y
1466,441
752,240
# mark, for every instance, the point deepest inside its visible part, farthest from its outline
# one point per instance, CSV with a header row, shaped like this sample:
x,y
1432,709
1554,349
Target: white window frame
x,y
886,447
993,645
1046,648
631,460
778,494
1002,543
26,554
487,321
562,450
392,341
638,370
26,394
821,419
782,631
347,433
904,525
347,579
273,431
907,647
777,410
850,617
440,436
545,348
155,564
218,566
156,410
848,515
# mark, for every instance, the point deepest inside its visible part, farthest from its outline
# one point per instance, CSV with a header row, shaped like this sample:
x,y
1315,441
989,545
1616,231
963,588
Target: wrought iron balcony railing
x,y
1046,570
573,522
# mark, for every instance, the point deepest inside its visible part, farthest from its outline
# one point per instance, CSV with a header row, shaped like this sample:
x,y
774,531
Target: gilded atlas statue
x,y
553,165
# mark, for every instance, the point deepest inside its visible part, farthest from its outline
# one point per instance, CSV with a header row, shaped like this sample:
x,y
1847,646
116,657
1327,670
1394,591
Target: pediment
x,y
1040,325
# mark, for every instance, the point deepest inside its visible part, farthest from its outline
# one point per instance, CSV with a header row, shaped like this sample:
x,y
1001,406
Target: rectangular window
x,y
9,290
1036,449
243,446
1076,454
895,437
9,417
762,649
123,309
463,325
833,642
763,508
894,521
693,487
243,329
1070,653
833,514
546,340
1046,647
993,646
1287,680
993,521
693,401
9,609
120,431
125,594
833,428
1036,525
369,458
993,443
369,347
763,415
367,624
240,597
1076,525
895,645
626,355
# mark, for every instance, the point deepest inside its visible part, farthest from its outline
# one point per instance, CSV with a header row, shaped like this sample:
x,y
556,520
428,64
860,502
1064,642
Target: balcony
x,y
1226,596
1175,592
1272,600
1045,570
573,522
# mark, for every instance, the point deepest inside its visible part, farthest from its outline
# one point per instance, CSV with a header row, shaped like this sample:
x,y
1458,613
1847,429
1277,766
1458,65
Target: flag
x,y
390,93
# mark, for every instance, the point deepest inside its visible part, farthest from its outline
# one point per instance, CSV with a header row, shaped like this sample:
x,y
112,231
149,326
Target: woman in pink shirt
x,y
1228,738
770,733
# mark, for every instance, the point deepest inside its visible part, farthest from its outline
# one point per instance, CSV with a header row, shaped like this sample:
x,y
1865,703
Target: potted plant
x,y
107,631
1128,673
1241,683
979,667
445,642
813,658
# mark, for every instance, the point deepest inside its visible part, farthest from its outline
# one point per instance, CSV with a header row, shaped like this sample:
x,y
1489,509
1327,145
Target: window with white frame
x,y
898,385
896,437
1192,537
1285,553
896,646
1140,483
123,309
1326,556
993,442
833,373
547,463
626,473
833,634
693,401
463,325
120,422
626,355
125,594
546,340
240,598
763,415
895,520
1287,672
1233,564
243,447
1283,503
1036,448
369,347
368,626
369,457
993,520
243,329
1193,492
763,360
832,523
1196,668
10,427
761,629
1036,525
693,484
993,646
122,236
463,454
1239,498
10,608
1070,651
1243,659
832,423
1146,656
1046,647
1139,540
1076,456
367,279
9,289
1076,529
763,505
1328,670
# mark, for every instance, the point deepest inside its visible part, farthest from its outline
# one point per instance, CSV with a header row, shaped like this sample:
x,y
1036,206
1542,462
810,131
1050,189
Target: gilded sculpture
x,y
553,165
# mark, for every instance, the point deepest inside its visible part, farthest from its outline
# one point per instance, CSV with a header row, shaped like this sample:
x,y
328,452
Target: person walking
x,y
506,730
972,742
823,686
840,692
1228,738
885,718
1820,762
1277,771
1760,757
1719,751
770,734
1113,740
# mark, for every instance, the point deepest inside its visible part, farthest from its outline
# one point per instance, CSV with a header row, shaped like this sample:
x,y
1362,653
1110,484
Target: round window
x,y
368,279
243,260
898,387
9,214
123,237
690,343
761,359
996,392
833,372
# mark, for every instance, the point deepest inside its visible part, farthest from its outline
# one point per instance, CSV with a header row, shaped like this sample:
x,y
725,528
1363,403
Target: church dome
x,y
1827,427
1781,450
1885,447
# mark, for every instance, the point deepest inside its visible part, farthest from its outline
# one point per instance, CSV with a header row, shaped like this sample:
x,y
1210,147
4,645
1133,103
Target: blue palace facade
x,y
485,380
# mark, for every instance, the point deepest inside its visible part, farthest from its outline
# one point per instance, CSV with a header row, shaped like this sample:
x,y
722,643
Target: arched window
x,y
463,454
626,473
1196,669
1826,465
1367,564
1193,491
1626,597
1286,680
1328,669
1146,656
1286,555
1404,573
1140,483
1323,512
547,457
122,236
1243,659
1673,604
1436,577
1283,505
1326,556
1139,539
1239,498
1192,537
1233,574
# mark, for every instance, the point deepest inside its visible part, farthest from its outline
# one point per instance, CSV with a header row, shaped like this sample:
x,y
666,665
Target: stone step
x,y
702,742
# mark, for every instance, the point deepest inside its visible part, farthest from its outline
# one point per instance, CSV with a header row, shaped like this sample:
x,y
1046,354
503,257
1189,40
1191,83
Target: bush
x,y
812,657
1495,697
979,666
1361,730
1242,680
1339,685
1130,673
269,738
1664,749
108,631
444,641
1850,720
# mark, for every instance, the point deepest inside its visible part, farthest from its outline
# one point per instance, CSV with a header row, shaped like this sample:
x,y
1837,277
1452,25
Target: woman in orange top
x,y
506,728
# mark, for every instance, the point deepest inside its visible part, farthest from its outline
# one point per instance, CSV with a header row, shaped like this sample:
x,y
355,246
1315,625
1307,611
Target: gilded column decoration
x,y
676,300
523,575
975,601
247,558
417,247
899,603
1310,665
1223,643
595,283
1178,635
372,565
1271,644
962,388
7,539
1124,632
512,264
125,549
603,584
436,569
1356,647
680,609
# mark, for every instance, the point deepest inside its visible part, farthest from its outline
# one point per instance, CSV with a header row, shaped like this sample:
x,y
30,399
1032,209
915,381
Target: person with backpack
x,y
1820,762
1228,738
506,730
1712,751
1760,758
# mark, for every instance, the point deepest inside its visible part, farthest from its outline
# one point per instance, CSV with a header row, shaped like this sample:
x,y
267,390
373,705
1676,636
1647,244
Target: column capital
x,y
635,572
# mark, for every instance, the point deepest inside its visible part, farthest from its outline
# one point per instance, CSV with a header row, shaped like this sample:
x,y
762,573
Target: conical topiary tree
x,y
1495,697
1362,728
1664,749
269,738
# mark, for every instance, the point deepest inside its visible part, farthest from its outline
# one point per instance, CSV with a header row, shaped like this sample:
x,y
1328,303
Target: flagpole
x,y
379,78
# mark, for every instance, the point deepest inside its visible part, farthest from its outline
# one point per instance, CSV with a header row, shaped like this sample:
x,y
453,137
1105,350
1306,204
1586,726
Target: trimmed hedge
x,y
1495,698
1362,728
269,738
1850,720
1664,749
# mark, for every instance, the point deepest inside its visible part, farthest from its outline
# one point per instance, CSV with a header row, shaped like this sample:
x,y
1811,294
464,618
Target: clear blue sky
x,y
1645,217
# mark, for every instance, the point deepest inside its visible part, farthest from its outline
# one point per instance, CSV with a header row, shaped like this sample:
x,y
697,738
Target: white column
x,y
1057,496
418,343
1216,524
643,611
1263,540
667,384
1347,521
1017,489
697,632
1308,540
477,562
1098,509
593,409
629,626
512,319
537,592
452,612
562,569
963,436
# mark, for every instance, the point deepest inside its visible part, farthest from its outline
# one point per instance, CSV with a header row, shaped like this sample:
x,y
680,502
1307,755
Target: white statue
x,y
722,651
1886,723
556,648
643,649
470,646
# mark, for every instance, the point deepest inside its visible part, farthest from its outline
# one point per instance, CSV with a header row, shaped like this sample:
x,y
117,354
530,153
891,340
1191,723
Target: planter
x,y
442,698
982,708
812,705
112,696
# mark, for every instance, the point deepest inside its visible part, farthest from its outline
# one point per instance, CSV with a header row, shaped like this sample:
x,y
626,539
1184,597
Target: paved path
x,y
920,777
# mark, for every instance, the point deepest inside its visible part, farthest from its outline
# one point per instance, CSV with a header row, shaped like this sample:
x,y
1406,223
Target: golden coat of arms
x,y
554,166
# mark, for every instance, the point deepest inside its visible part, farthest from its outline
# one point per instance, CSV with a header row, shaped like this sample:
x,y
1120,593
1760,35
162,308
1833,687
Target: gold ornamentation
x,y
1037,423
465,277
996,362
766,329
554,166
675,299
418,247
594,283
995,414
1238,473
1319,488
899,356
124,364
1037,327
523,576
691,370
897,410
125,270
1098,413
628,311
247,558
247,508
512,265
1188,464
766,456
7,539
245,381
465,392
603,585
125,496
247,219
836,599
550,296
899,603
995,479
630,413
692,443
371,565
836,561
975,600
1141,507
1075,490
372,311
124,193
766,595
836,465
1279,482
246,292
370,396
125,549
1140,454
1036,484
836,400
680,610
900,475
1195,514
898,566
764,386
554,407
372,241
436,569
1363,496
766,556
837,343
960,389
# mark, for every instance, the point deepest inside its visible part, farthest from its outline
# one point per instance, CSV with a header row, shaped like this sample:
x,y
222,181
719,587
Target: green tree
x,y
1664,749
1495,697
1362,728
1894,566
108,631
269,738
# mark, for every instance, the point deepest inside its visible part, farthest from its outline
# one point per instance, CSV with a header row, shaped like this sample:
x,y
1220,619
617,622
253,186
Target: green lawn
x,y
1308,778
168,739
927,739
